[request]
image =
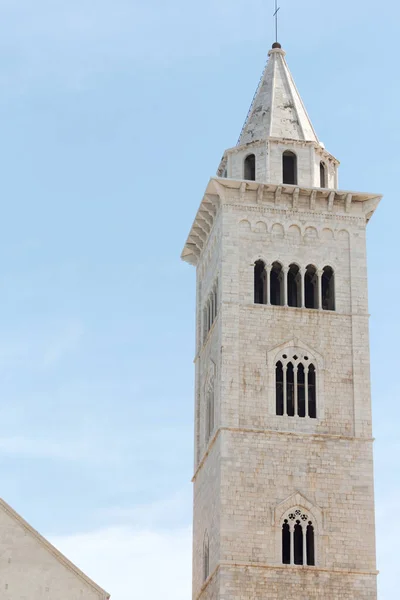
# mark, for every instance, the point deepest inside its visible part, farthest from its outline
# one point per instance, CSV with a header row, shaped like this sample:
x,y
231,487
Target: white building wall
x,y
31,571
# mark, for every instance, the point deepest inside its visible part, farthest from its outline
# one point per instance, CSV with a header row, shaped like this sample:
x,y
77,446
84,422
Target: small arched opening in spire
x,y
289,167
250,167
322,174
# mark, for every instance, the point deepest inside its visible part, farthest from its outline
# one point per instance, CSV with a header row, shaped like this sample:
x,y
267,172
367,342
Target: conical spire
x,y
277,110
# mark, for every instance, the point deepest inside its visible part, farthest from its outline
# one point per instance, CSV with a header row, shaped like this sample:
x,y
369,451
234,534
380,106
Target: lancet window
x,y
295,386
210,311
298,539
210,408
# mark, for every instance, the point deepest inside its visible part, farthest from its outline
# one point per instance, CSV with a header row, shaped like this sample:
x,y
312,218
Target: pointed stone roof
x,y
277,110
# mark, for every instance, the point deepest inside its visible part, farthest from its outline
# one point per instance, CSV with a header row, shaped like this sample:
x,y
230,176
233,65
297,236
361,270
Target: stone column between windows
x,y
306,389
267,270
302,288
319,274
285,286
284,390
292,545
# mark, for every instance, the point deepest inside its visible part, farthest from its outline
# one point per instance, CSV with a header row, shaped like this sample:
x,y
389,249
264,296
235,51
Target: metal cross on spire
x,y
277,9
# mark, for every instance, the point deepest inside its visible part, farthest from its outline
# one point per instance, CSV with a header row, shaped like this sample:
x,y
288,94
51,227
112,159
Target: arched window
x,y
311,287
301,392
322,174
312,396
210,311
294,286
298,543
286,543
295,386
276,284
289,167
310,545
328,289
279,389
250,167
260,283
290,389
210,411
206,557
298,539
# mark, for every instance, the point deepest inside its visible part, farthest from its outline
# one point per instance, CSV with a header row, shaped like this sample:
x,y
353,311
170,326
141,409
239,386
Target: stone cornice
x,y
321,216
299,143
221,191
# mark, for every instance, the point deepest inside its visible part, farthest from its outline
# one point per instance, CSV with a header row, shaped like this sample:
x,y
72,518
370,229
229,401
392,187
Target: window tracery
x,y
295,386
298,539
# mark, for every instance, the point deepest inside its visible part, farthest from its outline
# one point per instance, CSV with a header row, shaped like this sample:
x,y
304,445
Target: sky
x,y
113,116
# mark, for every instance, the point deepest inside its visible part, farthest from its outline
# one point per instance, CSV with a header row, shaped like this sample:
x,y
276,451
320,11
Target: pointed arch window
x,y
322,174
295,386
250,167
289,167
298,539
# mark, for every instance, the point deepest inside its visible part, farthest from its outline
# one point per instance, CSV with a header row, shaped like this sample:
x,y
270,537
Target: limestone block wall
x,y
206,517
339,339
262,469
299,584
31,570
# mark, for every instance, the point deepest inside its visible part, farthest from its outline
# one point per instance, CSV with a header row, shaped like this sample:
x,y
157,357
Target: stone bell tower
x,y
283,473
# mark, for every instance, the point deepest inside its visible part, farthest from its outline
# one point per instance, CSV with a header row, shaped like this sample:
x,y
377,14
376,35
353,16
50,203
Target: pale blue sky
x,y
113,116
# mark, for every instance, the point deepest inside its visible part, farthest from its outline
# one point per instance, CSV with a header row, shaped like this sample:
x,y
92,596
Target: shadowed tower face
x,y
283,473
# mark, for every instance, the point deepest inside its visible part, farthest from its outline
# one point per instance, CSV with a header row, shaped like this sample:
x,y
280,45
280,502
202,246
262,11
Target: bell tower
x,y
283,469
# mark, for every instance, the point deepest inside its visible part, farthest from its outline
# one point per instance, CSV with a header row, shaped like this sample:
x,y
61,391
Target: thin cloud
x,y
155,564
